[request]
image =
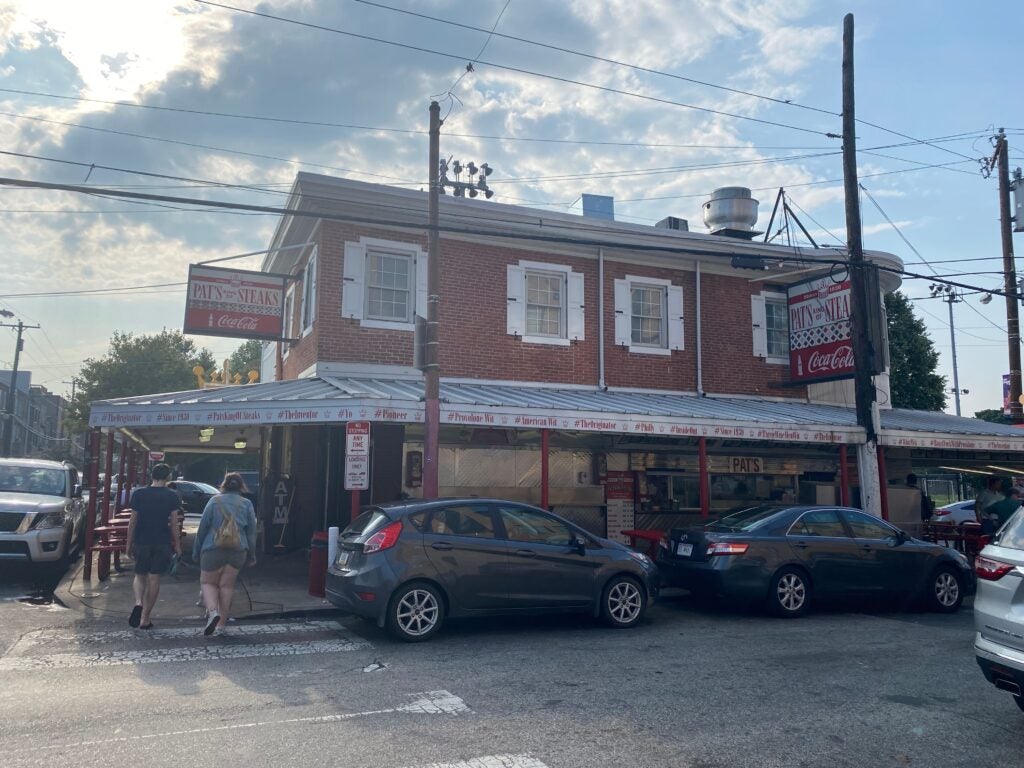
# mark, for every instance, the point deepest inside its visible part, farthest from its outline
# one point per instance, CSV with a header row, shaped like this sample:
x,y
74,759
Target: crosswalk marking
x,y
493,761
54,636
429,703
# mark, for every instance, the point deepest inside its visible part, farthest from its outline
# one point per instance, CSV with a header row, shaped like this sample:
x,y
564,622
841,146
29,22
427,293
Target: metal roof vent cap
x,y
732,212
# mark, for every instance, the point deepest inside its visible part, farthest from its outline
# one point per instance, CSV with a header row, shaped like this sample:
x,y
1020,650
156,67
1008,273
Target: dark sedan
x,y
410,565
789,557
194,496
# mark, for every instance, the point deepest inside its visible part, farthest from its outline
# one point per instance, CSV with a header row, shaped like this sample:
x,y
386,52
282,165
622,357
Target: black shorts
x,y
150,559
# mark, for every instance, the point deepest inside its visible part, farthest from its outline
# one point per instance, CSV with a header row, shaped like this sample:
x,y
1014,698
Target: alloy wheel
x,y
417,612
791,592
624,602
947,589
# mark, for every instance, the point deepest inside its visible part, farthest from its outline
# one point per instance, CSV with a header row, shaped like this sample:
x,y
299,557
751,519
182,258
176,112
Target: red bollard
x,y
318,564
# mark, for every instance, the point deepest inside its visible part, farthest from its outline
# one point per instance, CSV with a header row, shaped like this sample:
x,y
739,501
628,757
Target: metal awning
x,y
322,400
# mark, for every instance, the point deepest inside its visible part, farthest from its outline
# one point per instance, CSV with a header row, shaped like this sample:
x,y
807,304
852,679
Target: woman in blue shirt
x,y
225,541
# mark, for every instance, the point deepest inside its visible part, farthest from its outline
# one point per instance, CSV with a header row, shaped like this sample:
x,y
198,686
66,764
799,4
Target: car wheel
x,y
415,613
623,603
790,593
945,590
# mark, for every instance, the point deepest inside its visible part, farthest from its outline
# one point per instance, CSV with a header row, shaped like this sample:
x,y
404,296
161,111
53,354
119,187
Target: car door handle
x,y
801,544
525,553
441,545
866,547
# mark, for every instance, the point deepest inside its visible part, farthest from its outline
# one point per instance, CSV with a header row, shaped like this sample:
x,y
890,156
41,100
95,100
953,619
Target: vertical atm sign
x,y
820,331
357,456
235,303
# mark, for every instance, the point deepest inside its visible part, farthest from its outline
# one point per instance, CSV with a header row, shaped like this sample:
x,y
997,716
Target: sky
x,y
80,84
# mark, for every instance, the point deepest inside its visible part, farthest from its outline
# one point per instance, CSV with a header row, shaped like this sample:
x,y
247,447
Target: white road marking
x,y
168,655
493,761
429,703
51,636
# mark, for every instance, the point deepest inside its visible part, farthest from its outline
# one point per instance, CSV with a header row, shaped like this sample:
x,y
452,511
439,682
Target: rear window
x,y
744,519
365,523
1012,535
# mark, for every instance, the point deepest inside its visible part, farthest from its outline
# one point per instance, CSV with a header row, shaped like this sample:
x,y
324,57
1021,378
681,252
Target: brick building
x,y
601,368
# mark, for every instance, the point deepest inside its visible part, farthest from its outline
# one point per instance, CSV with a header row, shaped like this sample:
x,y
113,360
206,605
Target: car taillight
x,y
385,538
990,570
726,548
943,512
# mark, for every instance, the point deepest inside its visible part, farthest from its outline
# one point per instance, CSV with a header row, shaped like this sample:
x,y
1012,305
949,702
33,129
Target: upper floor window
x,y
545,302
385,284
770,323
309,293
289,313
648,315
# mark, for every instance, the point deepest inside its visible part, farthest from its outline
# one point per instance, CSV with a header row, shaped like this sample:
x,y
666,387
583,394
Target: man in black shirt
x,y
152,534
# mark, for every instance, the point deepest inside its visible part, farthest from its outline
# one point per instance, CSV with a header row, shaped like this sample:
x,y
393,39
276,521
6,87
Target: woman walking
x,y
225,541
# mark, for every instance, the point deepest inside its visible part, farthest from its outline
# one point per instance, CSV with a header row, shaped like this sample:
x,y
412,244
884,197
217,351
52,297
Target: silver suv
x,y
999,609
42,515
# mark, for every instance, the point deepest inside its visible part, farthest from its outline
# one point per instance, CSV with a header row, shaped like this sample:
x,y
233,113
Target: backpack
x,y
227,535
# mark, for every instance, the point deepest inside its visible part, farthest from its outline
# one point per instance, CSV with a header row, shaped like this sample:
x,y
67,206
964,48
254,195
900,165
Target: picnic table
x,y
966,537
653,539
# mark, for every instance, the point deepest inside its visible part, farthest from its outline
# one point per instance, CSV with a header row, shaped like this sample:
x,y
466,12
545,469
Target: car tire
x,y
623,602
415,612
789,594
945,590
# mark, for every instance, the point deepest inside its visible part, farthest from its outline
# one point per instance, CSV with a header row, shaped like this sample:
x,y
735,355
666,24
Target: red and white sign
x,y
236,303
621,512
156,456
820,333
357,456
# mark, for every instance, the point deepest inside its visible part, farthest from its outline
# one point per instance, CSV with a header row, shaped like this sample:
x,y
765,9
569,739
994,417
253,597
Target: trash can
x,y
318,564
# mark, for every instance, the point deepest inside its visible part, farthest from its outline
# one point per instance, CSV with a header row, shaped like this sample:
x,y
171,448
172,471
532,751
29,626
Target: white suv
x,y
999,609
42,516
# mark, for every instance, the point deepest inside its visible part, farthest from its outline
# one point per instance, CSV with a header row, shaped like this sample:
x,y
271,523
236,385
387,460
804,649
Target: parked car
x,y
252,482
410,565
788,557
999,641
194,496
42,516
958,512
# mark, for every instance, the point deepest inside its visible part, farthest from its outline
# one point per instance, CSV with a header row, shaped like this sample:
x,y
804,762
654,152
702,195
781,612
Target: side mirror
x,y
901,537
579,544
76,492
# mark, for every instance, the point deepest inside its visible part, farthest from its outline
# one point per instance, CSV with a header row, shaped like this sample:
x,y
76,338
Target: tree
x,y
913,381
246,358
995,415
137,365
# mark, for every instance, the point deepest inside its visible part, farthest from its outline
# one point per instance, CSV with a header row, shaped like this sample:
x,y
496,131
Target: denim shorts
x,y
215,559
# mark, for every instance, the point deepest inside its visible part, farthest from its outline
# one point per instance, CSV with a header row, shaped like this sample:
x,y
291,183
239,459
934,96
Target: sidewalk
x,y
275,587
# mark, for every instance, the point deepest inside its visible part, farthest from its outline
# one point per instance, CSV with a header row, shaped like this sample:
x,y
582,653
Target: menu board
x,y
619,495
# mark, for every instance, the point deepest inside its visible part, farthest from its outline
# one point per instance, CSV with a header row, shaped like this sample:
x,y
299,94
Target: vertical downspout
x,y
700,346
600,319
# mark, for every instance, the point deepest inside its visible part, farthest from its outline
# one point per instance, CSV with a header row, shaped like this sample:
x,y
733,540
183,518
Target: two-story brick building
x,y
594,366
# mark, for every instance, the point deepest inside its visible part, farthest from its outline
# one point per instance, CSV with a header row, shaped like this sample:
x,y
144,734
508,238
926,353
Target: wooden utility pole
x,y
431,358
12,394
1009,277
864,387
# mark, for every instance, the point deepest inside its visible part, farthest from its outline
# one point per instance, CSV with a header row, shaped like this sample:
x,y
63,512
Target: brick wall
x,y
474,342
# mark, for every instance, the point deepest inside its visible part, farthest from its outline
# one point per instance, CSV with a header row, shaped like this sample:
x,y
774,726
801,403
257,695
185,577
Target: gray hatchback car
x,y
410,565
999,609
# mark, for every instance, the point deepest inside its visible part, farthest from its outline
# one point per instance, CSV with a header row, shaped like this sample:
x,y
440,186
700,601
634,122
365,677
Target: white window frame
x,y
562,311
573,309
355,284
759,325
672,298
307,314
289,316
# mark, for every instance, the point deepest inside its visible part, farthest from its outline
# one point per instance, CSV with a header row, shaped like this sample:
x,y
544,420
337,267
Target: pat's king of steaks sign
x,y
235,303
820,330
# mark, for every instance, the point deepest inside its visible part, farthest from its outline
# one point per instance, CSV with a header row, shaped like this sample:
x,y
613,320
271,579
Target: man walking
x,y
152,535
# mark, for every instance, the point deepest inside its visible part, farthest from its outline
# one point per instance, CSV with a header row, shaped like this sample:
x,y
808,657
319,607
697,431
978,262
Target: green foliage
x,y
995,415
912,358
246,358
137,365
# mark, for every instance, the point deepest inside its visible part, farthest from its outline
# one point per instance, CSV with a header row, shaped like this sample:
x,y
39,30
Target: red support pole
x,y
91,481
883,482
354,512
703,479
544,453
103,562
121,478
130,478
844,478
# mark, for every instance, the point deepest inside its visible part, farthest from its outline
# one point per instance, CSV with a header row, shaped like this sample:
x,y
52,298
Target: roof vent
x,y
599,207
731,212
671,222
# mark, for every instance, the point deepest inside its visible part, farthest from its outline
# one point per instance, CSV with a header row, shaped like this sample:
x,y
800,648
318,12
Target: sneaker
x,y
211,623
136,616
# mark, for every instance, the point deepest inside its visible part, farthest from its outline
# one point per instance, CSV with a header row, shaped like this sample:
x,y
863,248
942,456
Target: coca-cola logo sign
x,y
840,359
237,323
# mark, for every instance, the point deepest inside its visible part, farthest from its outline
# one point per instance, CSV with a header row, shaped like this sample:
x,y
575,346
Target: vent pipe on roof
x,y
731,212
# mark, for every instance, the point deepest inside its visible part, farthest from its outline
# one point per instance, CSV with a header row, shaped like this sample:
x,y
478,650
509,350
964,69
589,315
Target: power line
x,y
520,70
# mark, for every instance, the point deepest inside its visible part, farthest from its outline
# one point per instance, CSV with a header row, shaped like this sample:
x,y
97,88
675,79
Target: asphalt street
x,y
691,687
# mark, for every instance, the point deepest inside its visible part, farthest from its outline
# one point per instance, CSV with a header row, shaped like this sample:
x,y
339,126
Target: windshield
x,y
365,523
206,488
41,480
743,519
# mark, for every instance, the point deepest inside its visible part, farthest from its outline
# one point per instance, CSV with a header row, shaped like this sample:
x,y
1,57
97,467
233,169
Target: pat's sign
x,y
235,303
820,332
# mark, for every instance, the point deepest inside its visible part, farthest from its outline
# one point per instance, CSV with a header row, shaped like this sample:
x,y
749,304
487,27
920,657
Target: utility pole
x,y
951,296
9,413
1002,156
432,362
864,388
71,442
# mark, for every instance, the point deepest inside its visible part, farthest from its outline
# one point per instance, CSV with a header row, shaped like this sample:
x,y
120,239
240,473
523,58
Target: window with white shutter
x,y
308,313
648,315
769,320
545,303
384,284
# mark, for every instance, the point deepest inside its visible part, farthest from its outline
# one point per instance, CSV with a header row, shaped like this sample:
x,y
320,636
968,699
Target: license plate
x,y
684,550
342,560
